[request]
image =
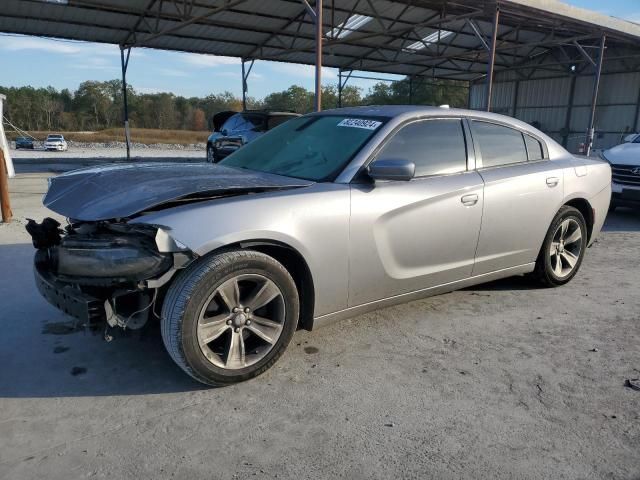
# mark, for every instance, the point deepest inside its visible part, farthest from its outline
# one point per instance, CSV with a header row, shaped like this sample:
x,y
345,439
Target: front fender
x,y
314,221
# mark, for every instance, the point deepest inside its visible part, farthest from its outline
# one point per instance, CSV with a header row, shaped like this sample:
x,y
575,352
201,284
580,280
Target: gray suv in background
x,y
232,130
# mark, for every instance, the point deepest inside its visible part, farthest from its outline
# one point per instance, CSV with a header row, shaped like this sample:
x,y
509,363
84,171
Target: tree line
x,y
98,105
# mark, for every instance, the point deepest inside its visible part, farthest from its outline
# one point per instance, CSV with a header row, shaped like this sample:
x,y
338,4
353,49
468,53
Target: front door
x,y
407,236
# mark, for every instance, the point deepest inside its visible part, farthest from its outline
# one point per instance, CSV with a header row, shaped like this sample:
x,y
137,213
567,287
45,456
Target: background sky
x,y
62,64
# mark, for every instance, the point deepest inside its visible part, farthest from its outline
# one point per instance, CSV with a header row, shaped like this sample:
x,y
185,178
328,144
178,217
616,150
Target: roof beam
x,y
228,4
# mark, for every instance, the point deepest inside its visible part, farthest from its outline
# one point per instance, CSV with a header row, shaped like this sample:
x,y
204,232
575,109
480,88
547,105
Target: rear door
x,y
523,191
408,236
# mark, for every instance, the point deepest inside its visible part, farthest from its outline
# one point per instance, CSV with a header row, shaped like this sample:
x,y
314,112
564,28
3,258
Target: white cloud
x,y
303,71
198,60
90,54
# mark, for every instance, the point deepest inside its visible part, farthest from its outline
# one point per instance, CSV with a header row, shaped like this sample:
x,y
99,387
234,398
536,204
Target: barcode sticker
x,y
360,123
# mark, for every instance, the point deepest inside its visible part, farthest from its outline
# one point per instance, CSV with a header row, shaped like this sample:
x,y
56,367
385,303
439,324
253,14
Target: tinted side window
x,y
534,148
436,147
499,145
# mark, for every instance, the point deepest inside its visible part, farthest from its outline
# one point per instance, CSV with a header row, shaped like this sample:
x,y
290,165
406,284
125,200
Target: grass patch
x,y
138,135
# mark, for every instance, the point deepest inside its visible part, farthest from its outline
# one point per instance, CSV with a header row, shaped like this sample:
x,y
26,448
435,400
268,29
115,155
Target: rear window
x,y
249,121
275,120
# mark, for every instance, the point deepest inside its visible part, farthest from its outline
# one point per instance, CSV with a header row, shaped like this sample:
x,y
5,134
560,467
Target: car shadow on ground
x,y
43,355
622,220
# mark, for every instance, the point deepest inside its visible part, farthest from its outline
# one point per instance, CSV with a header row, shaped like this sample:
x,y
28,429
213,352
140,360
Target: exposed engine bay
x,y
107,272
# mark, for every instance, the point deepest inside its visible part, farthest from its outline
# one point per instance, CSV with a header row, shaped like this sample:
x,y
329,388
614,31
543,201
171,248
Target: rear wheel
x,y
211,155
563,248
229,317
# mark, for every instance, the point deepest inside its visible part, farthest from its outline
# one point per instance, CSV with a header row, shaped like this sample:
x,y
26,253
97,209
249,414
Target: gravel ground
x,y
504,380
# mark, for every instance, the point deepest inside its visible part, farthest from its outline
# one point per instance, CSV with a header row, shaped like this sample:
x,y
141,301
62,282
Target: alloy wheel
x,y
241,321
566,248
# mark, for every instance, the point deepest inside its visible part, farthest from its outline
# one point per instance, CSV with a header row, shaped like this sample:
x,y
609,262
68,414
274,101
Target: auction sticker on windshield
x,y
360,123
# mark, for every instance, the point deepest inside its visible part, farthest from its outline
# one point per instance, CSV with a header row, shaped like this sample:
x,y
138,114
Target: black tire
x,y
544,271
187,296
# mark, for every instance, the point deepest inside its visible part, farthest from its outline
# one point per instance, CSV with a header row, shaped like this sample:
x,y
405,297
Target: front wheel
x,y
563,248
230,316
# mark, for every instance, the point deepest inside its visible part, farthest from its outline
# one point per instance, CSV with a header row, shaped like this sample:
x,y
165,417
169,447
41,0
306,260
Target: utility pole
x,y
124,63
318,38
594,98
6,170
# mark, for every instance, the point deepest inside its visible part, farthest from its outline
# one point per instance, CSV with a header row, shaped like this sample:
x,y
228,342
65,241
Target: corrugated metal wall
x,y
548,102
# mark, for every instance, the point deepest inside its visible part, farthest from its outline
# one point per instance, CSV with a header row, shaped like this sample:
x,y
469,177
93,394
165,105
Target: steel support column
x,y
410,90
245,77
516,92
492,56
567,119
594,98
340,88
318,20
124,63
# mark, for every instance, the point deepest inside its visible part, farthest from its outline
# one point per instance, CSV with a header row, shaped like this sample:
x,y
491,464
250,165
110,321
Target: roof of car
x,y
408,111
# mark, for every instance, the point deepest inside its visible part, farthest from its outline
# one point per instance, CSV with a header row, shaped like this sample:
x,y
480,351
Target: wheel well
x,y
586,210
295,263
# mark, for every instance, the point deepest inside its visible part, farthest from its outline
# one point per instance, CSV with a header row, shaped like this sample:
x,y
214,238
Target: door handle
x,y
552,181
469,200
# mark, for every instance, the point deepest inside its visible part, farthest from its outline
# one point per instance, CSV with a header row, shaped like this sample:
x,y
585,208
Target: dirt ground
x,y
504,380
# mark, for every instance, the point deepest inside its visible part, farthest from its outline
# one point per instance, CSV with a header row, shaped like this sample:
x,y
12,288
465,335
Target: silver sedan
x,y
327,216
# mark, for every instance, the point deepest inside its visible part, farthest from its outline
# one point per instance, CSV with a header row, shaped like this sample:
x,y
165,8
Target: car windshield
x,y
637,139
313,147
54,137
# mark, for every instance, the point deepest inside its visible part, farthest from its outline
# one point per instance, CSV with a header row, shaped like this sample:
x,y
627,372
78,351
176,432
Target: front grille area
x,y
623,175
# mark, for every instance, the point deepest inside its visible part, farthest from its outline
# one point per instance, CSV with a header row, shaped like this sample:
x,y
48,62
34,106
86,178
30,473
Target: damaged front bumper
x,y
104,272
89,310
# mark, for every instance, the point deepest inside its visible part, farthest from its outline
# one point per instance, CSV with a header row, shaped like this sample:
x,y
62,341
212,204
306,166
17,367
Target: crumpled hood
x,y
123,190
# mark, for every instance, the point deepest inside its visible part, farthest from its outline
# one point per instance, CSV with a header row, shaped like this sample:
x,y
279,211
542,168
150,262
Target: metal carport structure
x,y
475,41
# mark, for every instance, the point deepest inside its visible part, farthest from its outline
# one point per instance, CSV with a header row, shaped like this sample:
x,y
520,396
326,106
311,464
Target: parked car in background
x,y
24,142
233,130
327,216
625,167
55,142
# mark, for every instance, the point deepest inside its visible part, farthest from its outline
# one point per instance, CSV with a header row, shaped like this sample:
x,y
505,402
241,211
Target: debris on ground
x,y
632,383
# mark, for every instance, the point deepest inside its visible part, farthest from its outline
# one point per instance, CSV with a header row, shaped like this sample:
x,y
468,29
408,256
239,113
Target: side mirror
x,y
391,169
